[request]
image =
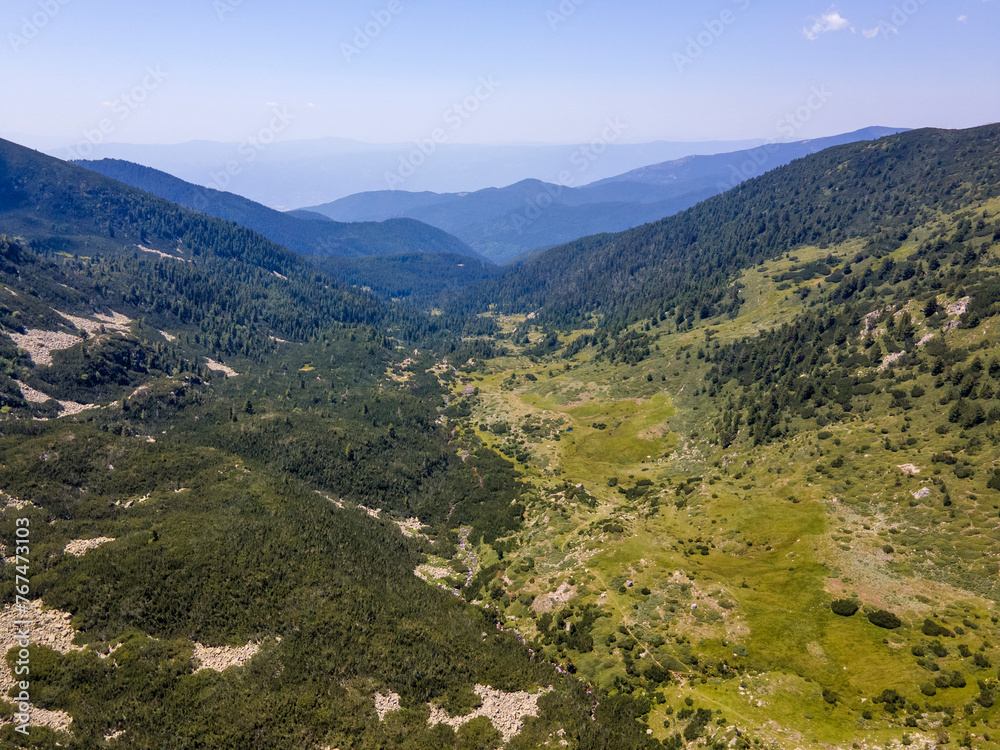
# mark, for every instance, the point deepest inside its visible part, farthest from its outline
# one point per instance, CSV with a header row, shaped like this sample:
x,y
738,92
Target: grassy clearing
x,y
733,556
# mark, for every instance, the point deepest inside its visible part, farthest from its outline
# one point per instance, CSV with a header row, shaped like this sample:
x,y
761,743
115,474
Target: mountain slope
x,y
724,171
421,278
181,506
790,501
302,173
502,223
391,237
750,501
683,266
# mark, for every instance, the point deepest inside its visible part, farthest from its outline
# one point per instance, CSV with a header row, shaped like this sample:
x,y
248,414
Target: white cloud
x,y
883,28
829,21
962,19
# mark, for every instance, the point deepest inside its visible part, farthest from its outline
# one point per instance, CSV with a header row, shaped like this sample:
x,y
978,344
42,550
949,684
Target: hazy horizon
x,y
50,144
533,72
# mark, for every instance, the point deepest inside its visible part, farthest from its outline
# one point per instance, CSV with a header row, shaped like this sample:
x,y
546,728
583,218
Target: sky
x,y
517,71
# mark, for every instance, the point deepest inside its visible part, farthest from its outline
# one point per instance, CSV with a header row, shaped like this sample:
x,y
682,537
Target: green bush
x,y
994,483
845,607
883,619
891,697
933,630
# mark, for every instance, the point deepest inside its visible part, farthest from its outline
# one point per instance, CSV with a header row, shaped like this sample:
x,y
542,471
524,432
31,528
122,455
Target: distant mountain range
x,y
308,234
502,223
291,174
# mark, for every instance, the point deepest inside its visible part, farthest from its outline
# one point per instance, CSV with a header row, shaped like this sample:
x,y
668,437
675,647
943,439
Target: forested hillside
x,y
682,267
212,444
325,238
420,278
502,223
729,480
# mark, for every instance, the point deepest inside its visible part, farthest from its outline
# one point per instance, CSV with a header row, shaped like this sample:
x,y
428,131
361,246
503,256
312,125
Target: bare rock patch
x,y
219,658
80,547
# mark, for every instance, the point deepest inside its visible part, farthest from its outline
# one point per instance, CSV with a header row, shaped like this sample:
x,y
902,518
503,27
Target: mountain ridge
x,y
391,237
502,223
289,174
687,258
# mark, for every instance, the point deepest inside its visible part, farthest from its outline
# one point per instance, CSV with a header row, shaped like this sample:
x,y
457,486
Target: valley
x,y
729,479
718,564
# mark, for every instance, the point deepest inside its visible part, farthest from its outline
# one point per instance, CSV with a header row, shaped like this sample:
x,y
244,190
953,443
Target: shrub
x,y
845,607
883,619
890,696
928,689
657,674
933,630
994,483
696,728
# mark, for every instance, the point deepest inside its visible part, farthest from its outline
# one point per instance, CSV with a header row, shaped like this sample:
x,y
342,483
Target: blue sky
x,y
167,72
